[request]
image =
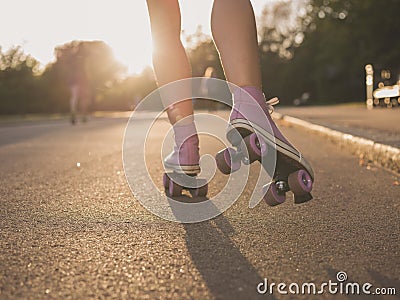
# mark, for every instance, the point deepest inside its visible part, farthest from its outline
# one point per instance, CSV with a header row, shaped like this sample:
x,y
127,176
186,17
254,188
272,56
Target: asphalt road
x,y
71,228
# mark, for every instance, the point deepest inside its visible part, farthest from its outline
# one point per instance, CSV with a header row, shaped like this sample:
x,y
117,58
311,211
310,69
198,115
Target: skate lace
x,y
271,103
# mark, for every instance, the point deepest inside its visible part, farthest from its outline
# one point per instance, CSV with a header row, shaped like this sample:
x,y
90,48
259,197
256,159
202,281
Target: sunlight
x,y
122,24
125,27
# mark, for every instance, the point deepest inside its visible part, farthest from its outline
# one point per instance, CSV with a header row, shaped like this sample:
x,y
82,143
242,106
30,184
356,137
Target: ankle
x,y
185,133
249,95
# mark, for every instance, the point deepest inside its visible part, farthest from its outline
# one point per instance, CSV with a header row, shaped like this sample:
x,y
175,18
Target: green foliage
x,y
319,47
125,94
23,89
19,85
91,64
340,38
316,46
203,54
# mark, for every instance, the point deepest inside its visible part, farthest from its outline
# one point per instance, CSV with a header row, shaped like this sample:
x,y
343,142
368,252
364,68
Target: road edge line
x,y
368,150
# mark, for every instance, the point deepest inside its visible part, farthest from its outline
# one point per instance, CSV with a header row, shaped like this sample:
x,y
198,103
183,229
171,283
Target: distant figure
x,y
80,95
209,89
205,85
73,101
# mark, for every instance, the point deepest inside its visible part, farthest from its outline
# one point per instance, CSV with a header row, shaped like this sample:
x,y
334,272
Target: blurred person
x,y
235,36
206,86
208,89
73,101
80,94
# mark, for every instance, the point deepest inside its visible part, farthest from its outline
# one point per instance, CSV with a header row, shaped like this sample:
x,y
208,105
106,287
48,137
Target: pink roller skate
x,y
183,161
252,127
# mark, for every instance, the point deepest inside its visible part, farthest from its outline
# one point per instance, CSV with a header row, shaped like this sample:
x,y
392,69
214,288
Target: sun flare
x,y
125,28
122,24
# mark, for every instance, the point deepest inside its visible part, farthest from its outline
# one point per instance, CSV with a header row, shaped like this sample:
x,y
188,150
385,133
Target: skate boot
x,y
251,126
183,161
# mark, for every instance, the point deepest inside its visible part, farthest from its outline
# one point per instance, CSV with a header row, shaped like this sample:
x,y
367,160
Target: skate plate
x,y
174,183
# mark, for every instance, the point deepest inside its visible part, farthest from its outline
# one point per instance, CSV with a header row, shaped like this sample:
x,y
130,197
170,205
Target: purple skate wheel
x,y
300,182
225,162
174,189
256,147
166,180
272,197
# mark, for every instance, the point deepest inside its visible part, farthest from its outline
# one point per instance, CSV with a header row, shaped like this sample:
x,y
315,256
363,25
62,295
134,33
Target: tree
x,y
92,64
126,93
19,82
337,39
203,54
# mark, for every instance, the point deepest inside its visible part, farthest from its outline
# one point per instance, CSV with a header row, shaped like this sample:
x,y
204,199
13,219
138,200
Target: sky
x,y
39,26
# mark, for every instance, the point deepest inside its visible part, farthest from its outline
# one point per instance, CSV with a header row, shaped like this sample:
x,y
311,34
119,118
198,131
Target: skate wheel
x,y
166,180
225,162
255,148
200,191
300,183
273,197
174,189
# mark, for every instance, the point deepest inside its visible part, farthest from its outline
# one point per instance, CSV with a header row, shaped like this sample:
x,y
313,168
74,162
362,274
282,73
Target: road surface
x,y
71,228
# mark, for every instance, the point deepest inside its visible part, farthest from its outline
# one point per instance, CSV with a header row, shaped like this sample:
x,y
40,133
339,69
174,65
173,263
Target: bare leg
x,y
170,64
169,58
234,31
235,36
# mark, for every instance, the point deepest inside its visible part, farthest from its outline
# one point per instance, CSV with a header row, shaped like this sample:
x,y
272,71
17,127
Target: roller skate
x,y
183,162
253,134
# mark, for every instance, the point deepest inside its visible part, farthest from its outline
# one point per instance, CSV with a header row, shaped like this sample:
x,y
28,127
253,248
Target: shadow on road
x,y
384,281
226,272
